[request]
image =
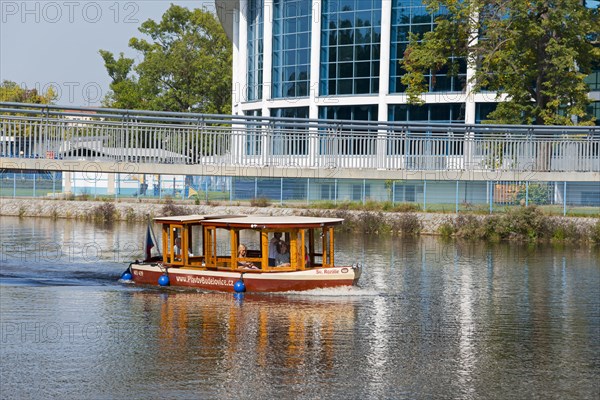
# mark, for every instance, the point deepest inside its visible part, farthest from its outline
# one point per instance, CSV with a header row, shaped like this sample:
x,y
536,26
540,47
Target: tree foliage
x,y
186,66
535,52
12,92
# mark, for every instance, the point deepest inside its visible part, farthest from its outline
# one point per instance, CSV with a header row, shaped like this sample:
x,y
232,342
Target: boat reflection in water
x,y
237,333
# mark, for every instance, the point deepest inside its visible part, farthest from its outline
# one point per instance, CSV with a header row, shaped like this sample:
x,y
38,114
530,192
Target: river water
x,y
430,320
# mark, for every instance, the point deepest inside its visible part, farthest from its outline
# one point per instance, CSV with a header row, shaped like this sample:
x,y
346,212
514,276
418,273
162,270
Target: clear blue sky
x,y
56,43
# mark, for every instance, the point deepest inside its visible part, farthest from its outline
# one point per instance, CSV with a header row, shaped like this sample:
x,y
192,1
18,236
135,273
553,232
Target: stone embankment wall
x,y
139,211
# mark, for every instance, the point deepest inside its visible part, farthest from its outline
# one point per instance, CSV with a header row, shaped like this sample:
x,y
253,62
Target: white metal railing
x,y
31,131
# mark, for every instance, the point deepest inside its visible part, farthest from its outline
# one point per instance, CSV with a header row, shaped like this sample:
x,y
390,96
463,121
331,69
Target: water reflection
x,y
431,319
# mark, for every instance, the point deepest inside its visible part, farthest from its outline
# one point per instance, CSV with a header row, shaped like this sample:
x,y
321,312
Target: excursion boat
x,y
244,253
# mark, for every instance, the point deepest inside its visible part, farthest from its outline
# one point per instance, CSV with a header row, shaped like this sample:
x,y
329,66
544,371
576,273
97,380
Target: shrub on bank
x,y
104,213
446,229
170,208
371,222
527,224
260,202
407,224
595,233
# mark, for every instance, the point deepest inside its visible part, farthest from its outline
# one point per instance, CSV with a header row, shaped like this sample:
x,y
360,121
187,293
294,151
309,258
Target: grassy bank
x,y
525,224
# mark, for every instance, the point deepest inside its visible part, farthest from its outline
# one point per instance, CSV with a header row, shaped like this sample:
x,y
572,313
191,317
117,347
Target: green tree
x,y
186,66
12,92
536,52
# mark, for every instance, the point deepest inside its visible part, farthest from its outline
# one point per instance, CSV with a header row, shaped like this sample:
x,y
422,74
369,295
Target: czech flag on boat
x,y
149,243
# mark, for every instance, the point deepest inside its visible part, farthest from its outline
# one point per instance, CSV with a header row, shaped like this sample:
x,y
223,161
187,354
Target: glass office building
x,y
340,59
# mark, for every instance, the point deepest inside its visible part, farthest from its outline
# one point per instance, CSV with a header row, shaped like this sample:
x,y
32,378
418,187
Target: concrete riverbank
x,y
417,222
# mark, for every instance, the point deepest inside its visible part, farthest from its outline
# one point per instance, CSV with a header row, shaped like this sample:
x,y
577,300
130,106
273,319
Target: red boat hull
x,y
224,281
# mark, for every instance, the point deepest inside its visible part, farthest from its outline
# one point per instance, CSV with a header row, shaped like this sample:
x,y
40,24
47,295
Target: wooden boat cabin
x,y
252,244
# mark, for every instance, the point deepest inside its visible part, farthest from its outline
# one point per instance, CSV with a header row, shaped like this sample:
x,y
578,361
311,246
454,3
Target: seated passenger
x,y
282,259
177,248
273,244
306,257
242,254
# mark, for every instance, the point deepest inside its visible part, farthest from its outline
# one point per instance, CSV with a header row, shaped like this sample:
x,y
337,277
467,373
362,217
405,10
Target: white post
x,y
470,96
384,81
315,73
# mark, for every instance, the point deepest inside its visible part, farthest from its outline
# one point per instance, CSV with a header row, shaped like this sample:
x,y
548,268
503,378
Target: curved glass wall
x,y
412,16
350,47
291,48
255,49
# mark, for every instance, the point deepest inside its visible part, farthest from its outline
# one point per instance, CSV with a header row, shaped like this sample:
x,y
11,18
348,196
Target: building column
x,y
240,76
384,59
315,72
238,67
470,96
267,66
315,59
267,56
384,79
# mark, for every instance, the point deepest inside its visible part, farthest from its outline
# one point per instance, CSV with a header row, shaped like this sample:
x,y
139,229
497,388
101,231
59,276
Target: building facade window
x,y
593,79
328,191
358,113
289,137
594,110
291,48
362,141
441,113
253,135
482,110
255,49
350,47
412,16
429,149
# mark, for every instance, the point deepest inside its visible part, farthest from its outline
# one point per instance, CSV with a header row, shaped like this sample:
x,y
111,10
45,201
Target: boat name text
x,y
202,280
328,271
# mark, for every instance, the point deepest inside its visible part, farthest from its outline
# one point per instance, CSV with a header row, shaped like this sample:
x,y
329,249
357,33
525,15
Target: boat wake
x,y
50,279
343,291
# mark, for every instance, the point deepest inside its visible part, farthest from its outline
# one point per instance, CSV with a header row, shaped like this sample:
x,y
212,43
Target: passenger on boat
x,y
177,248
306,257
242,254
273,245
283,255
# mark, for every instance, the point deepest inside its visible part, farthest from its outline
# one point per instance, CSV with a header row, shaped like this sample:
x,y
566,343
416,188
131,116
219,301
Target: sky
x,y
55,43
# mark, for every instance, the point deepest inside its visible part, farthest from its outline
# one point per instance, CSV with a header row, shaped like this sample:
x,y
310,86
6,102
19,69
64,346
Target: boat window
x,y
177,242
172,242
314,244
251,238
195,240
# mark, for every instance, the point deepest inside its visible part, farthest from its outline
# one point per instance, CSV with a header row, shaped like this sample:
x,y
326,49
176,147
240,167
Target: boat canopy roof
x,y
189,219
274,222
252,222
